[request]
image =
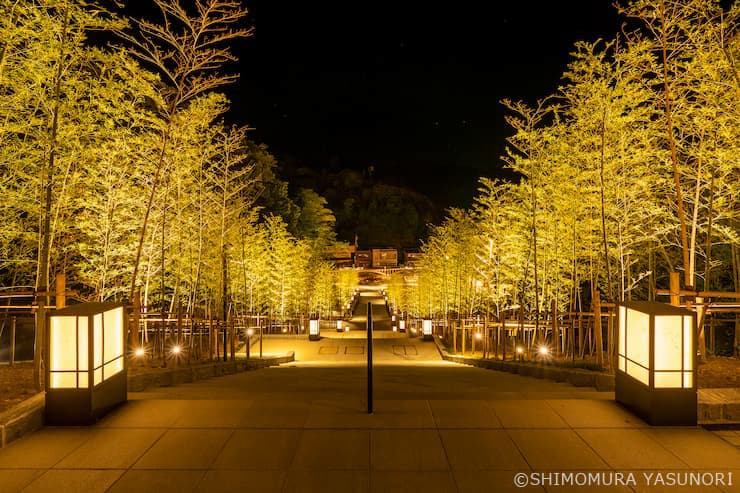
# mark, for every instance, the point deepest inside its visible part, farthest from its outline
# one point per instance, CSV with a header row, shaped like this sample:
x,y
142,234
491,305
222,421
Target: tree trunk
x,y
668,102
598,338
605,244
42,273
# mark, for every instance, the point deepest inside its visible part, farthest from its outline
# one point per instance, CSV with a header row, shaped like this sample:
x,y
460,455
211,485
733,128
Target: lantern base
x,y
314,337
657,407
80,407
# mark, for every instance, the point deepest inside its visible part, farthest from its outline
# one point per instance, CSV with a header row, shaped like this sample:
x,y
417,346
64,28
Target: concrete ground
x,y
436,427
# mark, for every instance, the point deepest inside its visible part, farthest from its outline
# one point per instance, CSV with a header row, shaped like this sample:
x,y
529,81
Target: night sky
x,y
411,88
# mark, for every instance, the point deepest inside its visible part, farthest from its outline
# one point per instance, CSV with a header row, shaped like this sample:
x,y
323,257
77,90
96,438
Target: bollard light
x,y
86,370
314,333
656,370
402,326
340,326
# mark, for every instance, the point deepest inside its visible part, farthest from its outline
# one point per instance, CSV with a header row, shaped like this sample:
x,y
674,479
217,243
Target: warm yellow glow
x,y
313,327
339,325
519,350
139,352
637,345
346,329
394,328
176,349
426,327
112,334
402,324
479,283
668,335
68,352
478,336
673,351
544,350
688,341
250,332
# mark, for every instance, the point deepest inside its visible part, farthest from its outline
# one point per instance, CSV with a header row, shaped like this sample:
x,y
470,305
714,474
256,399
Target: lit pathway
x,y
303,427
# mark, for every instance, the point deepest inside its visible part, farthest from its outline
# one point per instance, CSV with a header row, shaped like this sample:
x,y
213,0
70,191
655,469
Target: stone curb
x,y
188,374
727,413
25,417
28,416
603,382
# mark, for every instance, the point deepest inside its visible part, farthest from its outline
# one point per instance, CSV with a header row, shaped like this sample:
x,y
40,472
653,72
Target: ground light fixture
x,y
656,362
520,352
314,333
250,333
340,326
86,370
402,326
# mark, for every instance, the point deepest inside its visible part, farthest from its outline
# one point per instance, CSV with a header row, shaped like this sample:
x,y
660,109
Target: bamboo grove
x,y
629,171
117,168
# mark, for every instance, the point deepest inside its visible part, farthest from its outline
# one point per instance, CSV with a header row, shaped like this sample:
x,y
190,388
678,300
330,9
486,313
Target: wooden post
x,y
462,333
700,315
597,327
61,288
674,288
210,338
232,344
12,341
179,332
555,328
454,339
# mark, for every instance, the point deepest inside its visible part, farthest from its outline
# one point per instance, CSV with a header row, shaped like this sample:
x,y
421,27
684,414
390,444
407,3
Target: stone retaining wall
x,y
28,416
22,418
579,378
187,374
708,413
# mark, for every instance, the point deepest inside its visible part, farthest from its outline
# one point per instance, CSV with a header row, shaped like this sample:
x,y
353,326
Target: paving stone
x,y
184,449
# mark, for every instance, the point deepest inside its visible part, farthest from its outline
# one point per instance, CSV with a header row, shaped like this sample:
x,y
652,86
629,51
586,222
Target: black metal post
x,y
369,358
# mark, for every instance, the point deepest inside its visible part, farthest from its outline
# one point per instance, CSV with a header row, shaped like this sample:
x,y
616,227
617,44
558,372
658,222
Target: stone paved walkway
x,y
437,427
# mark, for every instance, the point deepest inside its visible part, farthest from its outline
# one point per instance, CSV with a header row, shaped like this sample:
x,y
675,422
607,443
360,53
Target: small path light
x,y
250,333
